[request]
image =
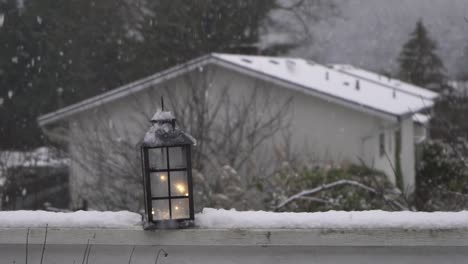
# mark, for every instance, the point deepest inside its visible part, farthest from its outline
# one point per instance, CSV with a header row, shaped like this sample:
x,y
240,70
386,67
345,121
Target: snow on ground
x,y
79,219
231,219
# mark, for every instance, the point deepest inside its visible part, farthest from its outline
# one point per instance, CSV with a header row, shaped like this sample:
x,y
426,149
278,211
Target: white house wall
x,y
407,154
327,133
321,131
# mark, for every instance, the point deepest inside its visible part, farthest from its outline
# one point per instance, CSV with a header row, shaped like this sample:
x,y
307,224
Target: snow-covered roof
x,y
162,115
386,81
392,98
421,118
40,157
346,85
160,135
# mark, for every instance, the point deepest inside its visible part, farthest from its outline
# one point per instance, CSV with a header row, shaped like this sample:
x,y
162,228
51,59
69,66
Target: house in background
x,y
33,180
338,112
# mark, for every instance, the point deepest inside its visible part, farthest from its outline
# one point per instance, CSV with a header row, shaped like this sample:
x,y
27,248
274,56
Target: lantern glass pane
x,y
180,208
157,158
160,210
159,184
179,183
177,157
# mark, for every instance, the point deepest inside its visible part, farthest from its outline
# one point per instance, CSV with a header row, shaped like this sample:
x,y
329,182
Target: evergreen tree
x,y
175,31
54,54
17,47
419,63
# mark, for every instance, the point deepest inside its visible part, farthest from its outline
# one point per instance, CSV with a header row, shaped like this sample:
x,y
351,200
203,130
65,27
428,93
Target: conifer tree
x,y
419,63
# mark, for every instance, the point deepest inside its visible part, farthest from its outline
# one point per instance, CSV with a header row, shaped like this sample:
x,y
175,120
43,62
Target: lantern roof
x,y
165,133
162,116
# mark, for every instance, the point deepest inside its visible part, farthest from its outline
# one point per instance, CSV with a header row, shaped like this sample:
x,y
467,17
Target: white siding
x,y
321,131
407,154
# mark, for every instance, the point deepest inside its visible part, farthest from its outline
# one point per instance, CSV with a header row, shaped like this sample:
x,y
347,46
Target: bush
x,y
441,180
289,181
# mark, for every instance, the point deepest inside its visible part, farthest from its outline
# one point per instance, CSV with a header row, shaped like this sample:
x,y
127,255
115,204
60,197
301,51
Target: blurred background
x,y
56,53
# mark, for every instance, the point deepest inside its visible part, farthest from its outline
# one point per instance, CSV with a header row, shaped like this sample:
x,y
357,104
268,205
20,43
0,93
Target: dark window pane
x,y
157,158
177,157
382,144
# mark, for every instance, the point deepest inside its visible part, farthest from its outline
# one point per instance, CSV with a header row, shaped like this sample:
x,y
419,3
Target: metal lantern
x,y
167,174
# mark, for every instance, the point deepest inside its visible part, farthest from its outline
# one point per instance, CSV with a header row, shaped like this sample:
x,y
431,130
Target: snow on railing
x,y
231,219
228,219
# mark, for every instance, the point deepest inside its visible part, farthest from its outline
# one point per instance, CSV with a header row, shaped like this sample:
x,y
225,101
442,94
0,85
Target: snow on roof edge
x,y
121,91
145,83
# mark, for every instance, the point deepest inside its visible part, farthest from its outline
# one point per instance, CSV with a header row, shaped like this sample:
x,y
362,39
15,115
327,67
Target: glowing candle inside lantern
x,y
180,188
180,209
163,177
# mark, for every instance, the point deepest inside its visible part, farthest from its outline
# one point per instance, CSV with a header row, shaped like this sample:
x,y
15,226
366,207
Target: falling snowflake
x,y
14,60
10,94
2,19
1,101
39,20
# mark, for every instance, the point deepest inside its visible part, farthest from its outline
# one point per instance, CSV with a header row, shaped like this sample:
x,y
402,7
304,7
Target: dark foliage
x,y
441,181
54,54
419,62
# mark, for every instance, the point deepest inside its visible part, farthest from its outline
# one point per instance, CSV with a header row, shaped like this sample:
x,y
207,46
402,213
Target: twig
x,y
89,248
131,255
43,245
86,251
159,252
313,199
27,245
335,184
89,251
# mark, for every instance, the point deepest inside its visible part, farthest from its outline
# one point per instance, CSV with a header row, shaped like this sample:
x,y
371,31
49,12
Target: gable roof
x,y
386,81
346,85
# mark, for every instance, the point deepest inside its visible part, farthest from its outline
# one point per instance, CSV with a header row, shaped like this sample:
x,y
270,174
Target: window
x,y
390,143
169,183
382,144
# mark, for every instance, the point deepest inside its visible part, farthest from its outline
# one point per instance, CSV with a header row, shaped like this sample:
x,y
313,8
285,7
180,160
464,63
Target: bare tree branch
x,y
333,185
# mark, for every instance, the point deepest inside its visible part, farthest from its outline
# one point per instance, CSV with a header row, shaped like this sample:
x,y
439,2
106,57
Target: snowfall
x,y
232,219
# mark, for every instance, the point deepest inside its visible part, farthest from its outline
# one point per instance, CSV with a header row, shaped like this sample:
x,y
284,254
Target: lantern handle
x,y
162,103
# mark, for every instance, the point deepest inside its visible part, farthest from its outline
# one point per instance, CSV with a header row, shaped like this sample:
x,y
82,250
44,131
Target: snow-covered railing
x,y
228,236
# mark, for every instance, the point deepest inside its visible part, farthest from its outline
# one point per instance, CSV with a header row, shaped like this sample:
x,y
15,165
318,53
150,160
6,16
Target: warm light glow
x,y
163,177
177,207
180,188
152,211
186,194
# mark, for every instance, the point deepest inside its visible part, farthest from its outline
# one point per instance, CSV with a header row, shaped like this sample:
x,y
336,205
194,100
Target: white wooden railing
x,y
231,246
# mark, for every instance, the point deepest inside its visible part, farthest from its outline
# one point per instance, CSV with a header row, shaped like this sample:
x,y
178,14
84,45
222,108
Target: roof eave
x,y
297,87
122,91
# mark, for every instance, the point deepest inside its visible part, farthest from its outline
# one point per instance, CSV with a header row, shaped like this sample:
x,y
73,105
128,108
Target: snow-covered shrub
x,y
441,178
338,188
228,191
